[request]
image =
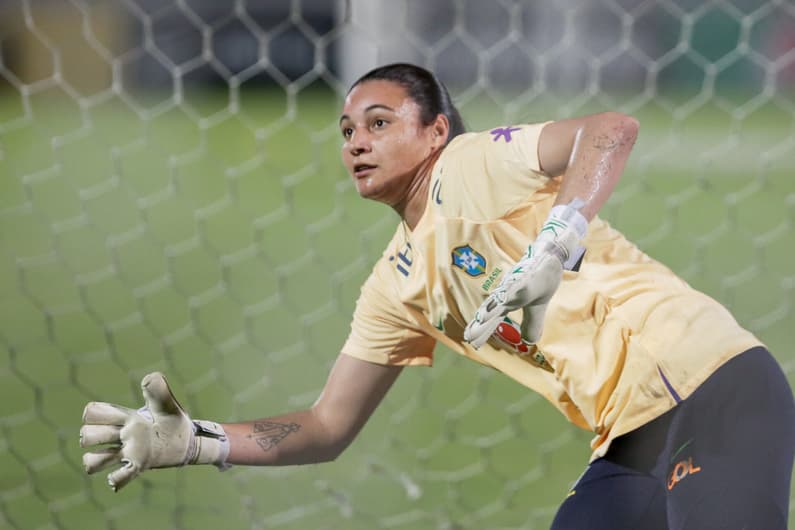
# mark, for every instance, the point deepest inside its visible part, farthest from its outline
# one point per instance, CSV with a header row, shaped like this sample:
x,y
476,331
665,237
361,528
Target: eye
x,y
379,123
347,132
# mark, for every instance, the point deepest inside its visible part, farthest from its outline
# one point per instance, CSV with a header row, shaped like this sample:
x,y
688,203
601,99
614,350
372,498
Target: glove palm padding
x,y
529,286
534,279
156,436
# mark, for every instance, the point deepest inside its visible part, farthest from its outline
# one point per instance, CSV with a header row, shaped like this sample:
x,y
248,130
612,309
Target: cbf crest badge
x,y
469,260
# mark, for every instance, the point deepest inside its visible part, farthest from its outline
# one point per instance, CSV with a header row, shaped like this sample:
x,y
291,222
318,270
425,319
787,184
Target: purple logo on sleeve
x,y
504,132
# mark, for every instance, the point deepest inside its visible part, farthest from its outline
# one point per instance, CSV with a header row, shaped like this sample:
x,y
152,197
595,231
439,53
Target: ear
x,y
440,131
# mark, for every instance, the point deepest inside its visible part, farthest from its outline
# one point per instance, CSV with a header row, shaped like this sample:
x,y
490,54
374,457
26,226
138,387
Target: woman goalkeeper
x,y
500,256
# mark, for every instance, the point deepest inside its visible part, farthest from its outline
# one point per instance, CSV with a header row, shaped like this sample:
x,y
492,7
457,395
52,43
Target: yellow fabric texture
x,y
613,331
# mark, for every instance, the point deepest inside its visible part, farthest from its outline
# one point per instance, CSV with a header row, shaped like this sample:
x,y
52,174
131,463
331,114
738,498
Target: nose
x,y
360,142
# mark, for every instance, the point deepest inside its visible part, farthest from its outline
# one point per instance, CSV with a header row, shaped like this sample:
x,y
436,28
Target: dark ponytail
x,y
424,88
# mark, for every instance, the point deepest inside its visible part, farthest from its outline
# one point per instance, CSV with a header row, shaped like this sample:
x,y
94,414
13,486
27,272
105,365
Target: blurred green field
x,y
223,244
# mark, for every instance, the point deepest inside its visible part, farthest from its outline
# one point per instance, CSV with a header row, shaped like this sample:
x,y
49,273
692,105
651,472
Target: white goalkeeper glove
x,y
534,279
158,435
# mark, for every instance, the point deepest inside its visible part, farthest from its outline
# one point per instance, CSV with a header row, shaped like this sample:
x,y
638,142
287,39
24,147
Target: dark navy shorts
x,y
722,459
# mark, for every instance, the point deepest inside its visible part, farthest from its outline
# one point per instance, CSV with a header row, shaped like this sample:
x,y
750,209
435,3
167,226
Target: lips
x,y
362,170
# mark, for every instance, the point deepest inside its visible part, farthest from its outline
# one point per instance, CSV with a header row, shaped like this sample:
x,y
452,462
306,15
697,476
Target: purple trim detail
x,y
504,133
669,387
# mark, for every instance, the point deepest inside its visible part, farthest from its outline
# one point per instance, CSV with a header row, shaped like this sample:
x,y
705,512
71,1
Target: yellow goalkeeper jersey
x,y
624,338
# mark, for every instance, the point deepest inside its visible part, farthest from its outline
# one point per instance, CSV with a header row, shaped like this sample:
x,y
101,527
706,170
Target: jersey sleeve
x,y
382,331
516,146
491,172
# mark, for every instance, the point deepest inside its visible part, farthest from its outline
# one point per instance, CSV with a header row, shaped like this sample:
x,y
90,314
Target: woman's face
x,y
385,142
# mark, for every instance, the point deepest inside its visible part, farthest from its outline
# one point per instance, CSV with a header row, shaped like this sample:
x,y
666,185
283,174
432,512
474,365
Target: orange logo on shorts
x,y
681,470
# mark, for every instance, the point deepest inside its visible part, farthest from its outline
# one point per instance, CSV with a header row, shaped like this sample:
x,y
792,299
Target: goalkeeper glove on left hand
x,y
156,436
534,279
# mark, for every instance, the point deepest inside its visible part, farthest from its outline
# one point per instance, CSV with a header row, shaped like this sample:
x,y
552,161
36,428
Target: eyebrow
x,y
368,109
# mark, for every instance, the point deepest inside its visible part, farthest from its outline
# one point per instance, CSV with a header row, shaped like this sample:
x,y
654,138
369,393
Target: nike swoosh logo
x,y
682,448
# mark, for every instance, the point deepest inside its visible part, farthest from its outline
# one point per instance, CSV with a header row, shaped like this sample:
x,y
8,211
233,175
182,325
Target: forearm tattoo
x,y
269,434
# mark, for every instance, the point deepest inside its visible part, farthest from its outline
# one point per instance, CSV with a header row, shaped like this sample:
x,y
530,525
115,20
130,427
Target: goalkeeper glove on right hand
x,y
156,436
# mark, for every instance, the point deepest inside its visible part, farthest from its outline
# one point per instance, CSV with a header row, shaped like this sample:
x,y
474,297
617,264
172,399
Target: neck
x,y
413,204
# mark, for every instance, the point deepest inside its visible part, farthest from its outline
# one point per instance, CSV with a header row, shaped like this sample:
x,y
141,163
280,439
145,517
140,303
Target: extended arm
x,y
161,434
353,391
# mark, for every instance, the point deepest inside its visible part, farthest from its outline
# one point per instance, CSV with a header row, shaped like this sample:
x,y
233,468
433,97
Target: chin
x,y
367,190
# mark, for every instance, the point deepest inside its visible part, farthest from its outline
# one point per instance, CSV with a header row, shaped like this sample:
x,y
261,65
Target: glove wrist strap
x,y
209,445
561,233
570,214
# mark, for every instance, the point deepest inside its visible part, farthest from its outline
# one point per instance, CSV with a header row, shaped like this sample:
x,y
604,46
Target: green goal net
x,y
171,198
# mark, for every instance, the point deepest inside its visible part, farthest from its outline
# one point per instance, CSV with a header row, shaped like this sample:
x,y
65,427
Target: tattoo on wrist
x,y
269,434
